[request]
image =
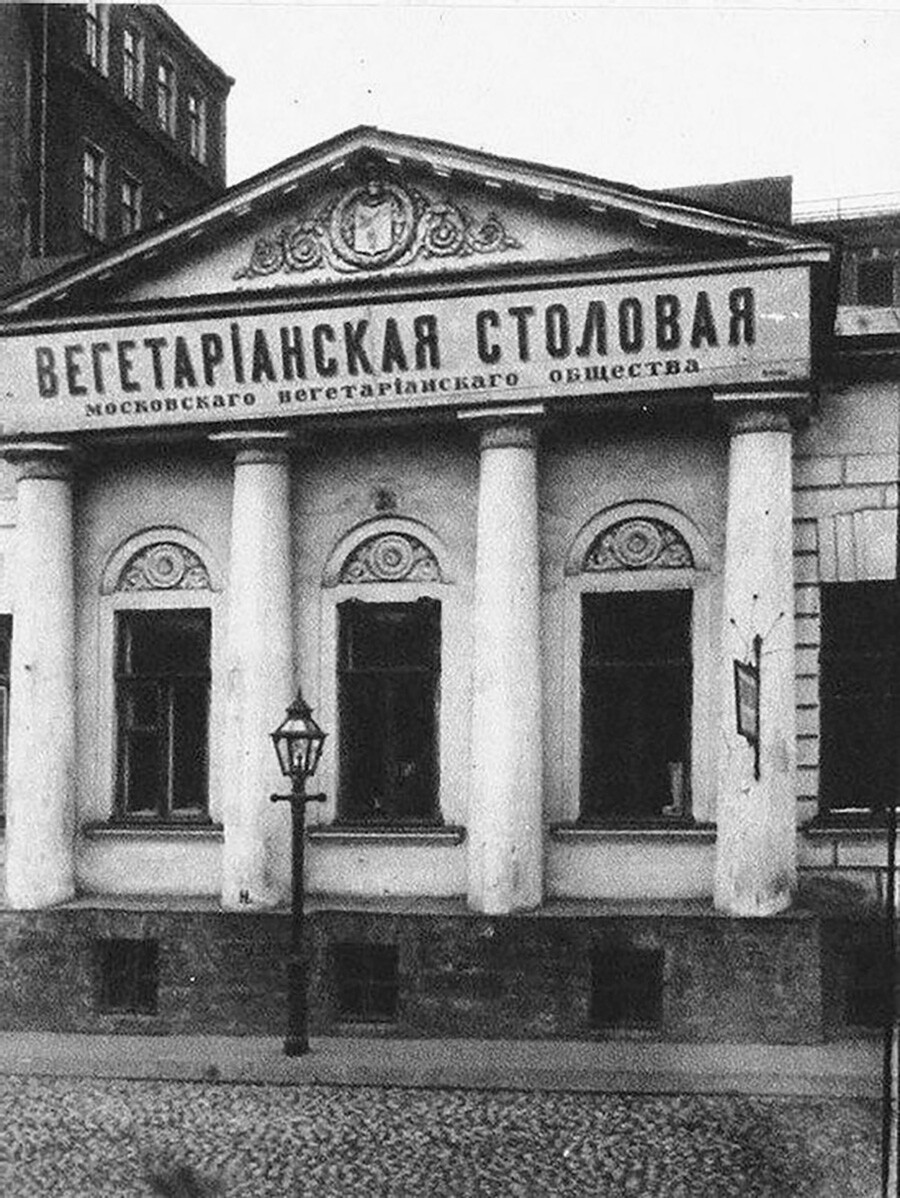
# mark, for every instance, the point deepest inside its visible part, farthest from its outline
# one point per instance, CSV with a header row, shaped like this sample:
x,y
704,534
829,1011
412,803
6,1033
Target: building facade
x,y
111,120
570,507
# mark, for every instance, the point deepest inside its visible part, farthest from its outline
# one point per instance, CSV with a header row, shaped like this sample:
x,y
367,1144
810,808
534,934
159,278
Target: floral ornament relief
x,y
391,557
374,225
164,566
640,544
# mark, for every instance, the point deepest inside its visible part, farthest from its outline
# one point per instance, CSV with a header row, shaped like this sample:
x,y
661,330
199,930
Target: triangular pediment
x,y
371,208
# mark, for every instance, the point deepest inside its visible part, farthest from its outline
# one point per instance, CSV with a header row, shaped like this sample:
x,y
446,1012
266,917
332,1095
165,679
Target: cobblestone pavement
x,y
76,1138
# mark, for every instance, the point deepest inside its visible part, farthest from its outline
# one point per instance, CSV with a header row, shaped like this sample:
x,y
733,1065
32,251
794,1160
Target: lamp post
x,y
298,742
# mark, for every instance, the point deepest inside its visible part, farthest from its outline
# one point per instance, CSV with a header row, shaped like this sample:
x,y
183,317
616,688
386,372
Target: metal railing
x,y
874,203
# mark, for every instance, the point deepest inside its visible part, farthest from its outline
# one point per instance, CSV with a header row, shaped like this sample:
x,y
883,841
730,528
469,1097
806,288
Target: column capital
x,y
254,448
506,428
761,411
40,459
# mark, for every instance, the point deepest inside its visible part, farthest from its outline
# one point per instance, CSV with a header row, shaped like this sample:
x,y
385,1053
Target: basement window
x,y
366,982
626,988
128,976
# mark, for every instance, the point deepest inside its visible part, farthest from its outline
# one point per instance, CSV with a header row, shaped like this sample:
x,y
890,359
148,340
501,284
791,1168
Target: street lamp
x,y
298,742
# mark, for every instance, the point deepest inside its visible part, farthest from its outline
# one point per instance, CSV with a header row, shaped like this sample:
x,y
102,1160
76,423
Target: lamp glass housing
x,y
298,742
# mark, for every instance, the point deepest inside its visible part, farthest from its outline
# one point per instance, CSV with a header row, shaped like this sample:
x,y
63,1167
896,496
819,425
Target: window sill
x,y
106,830
862,829
588,833
436,834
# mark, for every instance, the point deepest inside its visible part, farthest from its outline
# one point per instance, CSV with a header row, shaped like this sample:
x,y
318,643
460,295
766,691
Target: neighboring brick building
x,y
111,120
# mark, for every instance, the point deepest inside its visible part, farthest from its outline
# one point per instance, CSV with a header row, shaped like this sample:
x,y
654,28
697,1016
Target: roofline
x,y
445,159
158,13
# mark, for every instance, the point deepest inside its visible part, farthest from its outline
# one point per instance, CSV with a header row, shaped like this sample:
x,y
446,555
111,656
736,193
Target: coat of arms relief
x,y
373,225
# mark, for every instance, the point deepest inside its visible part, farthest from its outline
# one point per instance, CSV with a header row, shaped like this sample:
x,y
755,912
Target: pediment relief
x,y
371,205
374,224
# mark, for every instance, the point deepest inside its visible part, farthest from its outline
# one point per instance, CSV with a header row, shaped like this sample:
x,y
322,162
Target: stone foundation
x,y
457,974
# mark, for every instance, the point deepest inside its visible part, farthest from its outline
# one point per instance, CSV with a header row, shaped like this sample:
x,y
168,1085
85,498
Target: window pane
x,y
859,713
190,701
392,636
875,283
166,643
388,685
636,693
163,705
145,773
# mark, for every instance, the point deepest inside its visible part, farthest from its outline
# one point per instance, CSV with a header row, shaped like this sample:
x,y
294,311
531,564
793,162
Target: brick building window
x,y
635,704
162,702
875,282
93,195
860,714
132,200
196,106
133,66
96,34
165,96
388,690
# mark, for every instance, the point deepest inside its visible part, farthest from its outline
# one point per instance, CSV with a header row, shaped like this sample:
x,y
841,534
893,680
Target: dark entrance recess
x,y
635,705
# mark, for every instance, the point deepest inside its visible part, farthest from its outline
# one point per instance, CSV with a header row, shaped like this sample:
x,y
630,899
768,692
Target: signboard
x,y
746,701
520,345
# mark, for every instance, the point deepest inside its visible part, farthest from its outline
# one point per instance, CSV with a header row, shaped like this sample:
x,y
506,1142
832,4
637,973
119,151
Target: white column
x,y
756,837
259,675
40,861
505,831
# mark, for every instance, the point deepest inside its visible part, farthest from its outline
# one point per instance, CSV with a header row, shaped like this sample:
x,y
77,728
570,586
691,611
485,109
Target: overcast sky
x,y
654,96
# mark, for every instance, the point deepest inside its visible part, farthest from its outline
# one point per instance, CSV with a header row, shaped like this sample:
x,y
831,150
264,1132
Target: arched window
x,y
387,580
633,571
159,588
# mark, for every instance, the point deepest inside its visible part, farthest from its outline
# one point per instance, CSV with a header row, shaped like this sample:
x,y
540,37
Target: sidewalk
x,y
829,1070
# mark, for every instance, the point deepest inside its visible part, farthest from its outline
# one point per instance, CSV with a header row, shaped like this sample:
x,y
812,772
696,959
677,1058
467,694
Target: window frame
x,y
131,207
167,686
99,770
593,811
94,191
387,680
133,66
564,610
96,36
166,95
197,125
454,728
889,267
831,810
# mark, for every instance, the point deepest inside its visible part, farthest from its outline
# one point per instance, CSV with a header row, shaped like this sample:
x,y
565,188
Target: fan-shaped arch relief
x,y
164,566
639,543
390,557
